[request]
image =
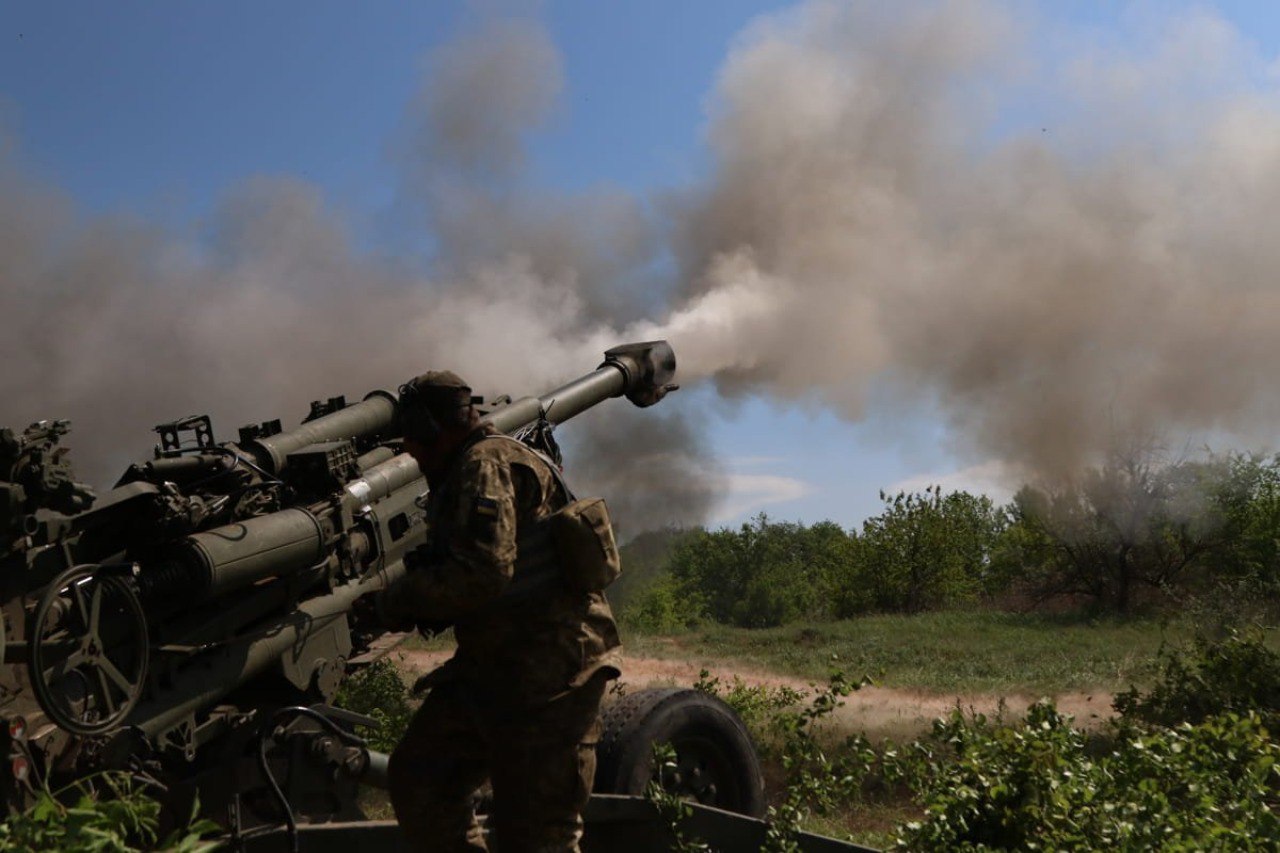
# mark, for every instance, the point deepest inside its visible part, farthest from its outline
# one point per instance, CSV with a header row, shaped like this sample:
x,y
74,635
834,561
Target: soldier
x,y
518,704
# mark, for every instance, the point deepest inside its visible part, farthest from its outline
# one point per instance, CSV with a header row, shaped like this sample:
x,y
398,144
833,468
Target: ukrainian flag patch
x,y
484,520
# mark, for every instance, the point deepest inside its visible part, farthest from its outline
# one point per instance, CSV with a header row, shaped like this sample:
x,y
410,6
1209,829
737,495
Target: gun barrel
x,y
642,372
563,403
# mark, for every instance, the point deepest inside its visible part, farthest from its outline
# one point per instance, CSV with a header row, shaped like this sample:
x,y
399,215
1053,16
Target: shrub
x,y
1035,786
379,692
763,574
756,704
1141,526
1236,674
108,813
815,779
662,608
926,551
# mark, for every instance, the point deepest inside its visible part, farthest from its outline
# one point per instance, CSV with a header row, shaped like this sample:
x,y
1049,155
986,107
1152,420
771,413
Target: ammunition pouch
x,y
575,542
583,535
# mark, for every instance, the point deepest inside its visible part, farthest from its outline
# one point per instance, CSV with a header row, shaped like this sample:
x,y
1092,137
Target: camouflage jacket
x,y
530,647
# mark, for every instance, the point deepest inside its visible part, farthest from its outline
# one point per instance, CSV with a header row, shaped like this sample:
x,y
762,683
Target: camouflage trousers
x,y
540,763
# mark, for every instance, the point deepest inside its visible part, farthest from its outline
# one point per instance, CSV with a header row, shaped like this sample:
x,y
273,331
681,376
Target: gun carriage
x,y
213,599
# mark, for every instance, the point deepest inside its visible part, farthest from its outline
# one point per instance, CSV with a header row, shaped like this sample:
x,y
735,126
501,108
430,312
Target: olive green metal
x,y
642,372
239,554
240,616
374,457
226,668
375,770
381,480
562,403
375,414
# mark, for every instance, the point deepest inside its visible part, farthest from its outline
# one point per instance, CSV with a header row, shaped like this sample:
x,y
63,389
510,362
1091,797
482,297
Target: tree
x,y
928,550
765,573
1140,522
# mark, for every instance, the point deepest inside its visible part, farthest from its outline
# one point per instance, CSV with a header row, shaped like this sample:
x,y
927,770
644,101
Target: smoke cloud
x,y
1051,242
119,324
1056,253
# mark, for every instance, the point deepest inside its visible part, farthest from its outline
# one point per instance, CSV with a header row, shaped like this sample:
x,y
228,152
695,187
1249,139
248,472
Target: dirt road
x,y
878,712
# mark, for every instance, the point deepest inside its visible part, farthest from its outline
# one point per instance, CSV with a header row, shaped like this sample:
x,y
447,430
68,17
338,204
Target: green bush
x,y
1035,786
1236,674
763,574
662,608
1141,529
379,692
107,813
816,779
1191,765
756,704
926,551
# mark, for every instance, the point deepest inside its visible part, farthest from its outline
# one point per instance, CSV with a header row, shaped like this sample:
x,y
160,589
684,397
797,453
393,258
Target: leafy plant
x,y
815,780
379,692
926,550
1036,786
763,574
754,703
672,808
110,812
662,607
1237,673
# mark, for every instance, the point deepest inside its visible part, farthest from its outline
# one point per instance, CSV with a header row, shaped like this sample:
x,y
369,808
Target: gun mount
x,y
209,600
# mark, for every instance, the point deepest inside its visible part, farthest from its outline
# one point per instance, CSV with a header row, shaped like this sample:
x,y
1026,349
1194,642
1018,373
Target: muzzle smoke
x,y
1056,253
916,202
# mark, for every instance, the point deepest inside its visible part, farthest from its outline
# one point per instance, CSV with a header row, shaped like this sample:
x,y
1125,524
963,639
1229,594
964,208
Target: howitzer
x,y
208,602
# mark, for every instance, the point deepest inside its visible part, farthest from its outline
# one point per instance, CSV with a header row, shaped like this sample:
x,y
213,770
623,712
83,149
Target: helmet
x,y
433,402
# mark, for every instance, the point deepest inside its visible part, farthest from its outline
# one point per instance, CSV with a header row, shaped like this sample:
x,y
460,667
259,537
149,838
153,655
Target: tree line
x,y
1137,531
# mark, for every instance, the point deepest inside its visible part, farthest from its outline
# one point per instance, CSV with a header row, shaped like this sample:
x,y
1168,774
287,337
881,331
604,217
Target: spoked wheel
x,y
88,650
715,762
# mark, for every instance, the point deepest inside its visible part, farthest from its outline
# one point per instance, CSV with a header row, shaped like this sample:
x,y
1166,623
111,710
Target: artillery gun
x,y
192,625
215,592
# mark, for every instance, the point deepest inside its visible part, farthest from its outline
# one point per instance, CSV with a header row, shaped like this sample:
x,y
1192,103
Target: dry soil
x,y
878,712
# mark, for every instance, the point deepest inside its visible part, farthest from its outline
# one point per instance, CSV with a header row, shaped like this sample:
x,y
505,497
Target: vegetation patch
x,y
111,812
378,691
1164,775
950,653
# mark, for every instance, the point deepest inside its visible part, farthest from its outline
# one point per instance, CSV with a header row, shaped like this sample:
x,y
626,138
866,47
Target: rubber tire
x,y
634,723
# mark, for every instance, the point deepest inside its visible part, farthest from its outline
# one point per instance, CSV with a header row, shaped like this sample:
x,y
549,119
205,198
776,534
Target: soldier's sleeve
x,y
480,556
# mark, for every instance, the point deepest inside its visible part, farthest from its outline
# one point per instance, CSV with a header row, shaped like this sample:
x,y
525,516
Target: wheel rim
x,y
703,772
89,650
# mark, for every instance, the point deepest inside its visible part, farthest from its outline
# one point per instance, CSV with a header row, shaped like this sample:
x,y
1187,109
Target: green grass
x,y
956,652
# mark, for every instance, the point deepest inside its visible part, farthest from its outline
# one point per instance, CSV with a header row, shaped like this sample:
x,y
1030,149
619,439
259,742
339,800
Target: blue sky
x,y
158,108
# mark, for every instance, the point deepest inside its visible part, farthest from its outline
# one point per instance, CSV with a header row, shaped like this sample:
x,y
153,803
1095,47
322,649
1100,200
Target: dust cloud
x,y
956,203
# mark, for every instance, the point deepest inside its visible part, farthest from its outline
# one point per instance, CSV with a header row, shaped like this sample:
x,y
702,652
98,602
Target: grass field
x,y
957,652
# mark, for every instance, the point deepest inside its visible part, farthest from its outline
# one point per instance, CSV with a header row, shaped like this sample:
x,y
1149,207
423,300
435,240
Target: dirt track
x,y
879,712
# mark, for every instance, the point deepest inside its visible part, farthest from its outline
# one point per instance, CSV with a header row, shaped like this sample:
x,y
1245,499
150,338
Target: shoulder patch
x,y
483,523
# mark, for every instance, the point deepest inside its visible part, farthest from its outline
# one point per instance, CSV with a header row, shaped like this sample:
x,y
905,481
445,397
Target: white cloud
x,y
995,479
750,493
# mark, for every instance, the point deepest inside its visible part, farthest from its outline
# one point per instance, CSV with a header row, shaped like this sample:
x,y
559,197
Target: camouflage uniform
x,y
519,701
